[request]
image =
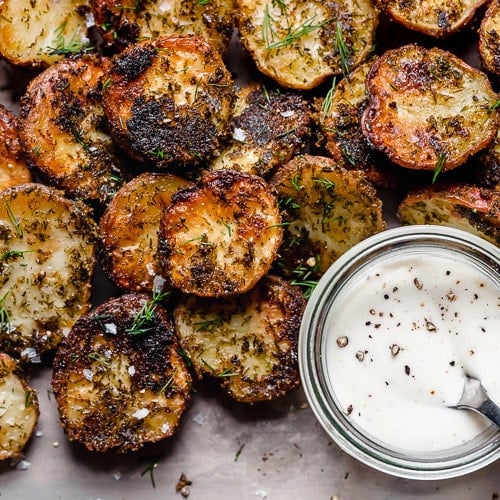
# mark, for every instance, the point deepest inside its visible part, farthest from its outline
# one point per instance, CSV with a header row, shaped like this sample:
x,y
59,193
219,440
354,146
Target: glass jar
x,y
318,369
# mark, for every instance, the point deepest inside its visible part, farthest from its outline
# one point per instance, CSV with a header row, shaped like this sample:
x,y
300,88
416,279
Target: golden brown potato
x,y
466,207
47,246
302,42
487,174
63,129
248,343
428,109
13,168
339,118
489,38
436,18
268,128
40,32
128,230
19,410
118,378
221,236
122,22
169,100
326,209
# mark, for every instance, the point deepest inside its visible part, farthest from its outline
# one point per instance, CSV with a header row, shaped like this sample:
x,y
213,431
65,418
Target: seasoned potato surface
x,y
489,38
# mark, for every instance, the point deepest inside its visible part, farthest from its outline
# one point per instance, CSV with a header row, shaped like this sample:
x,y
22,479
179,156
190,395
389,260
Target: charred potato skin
x,y
437,18
435,123
487,168
240,214
169,101
268,128
123,22
471,208
489,39
20,409
64,133
306,61
99,413
44,283
13,168
270,317
129,258
46,31
326,209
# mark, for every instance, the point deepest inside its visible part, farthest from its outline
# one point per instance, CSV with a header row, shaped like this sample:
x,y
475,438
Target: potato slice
x,y
169,100
248,343
13,168
436,18
63,130
119,386
268,127
129,257
47,246
122,22
339,118
302,42
489,38
19,410
428,109
221,236
40,32
466,207
487,174
326,210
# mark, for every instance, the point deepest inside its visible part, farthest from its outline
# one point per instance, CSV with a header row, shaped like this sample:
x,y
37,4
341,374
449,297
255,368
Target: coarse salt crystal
x,y
141,413
31,354
131,370
88,374
110,328
261,493
165,428
287,114
23,465
158,284
239,134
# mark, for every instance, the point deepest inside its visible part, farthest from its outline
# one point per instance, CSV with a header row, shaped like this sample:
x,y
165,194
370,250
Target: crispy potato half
x,y
169,100
470,208
268,128
47,246
40,32
19,410
487,174
428,109
128,230
221,236
63,129
247,343
326,209
489,38
122,22
13,168
118,379
437,18
339,118
299,43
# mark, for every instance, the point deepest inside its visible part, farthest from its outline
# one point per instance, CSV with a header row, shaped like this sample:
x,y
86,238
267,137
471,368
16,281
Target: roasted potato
x,y
300,43
129,256
19,410
268,128
428,109
489,38
221,236
118,379
487,173
326,209
169,100
47,247
64,133
13,168
436,18
122,22
39,32
339,118
248,343
470,208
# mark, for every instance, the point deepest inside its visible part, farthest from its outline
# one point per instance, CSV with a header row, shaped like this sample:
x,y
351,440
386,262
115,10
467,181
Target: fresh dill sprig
x,y
12,254
5,324
440,164
77,134
303,273
267,30
228,372
342,49
143,320
150,469
323,182
296,33
209,325
12,218
494,106
168,383
63,46
327,101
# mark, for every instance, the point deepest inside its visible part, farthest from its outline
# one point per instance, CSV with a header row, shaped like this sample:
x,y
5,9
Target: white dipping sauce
x,y
413,327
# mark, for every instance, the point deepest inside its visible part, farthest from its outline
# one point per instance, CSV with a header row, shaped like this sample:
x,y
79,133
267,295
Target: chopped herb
x,y
106,83
12,254
5,324
267,27
12,218
62,46
185,356
36,150
494,106
202,2
228,372
77,134
168,383
115,178
207,365
295,182
150,469
229,228
303,274
342,49
209,325
289,202
95,356
238,453
440,164
286,133
327,101
298,32
327,184
143,320
28,401
266,94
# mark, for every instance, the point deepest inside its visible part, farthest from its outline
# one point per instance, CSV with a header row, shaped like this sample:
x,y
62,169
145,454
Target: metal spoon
x,y
474,398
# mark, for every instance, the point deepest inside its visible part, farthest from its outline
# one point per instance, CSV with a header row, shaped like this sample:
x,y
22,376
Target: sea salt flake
x,y
23,465
158,284
131,370
110,328
141,413
31,355
261,493
88,374
287,114
239,134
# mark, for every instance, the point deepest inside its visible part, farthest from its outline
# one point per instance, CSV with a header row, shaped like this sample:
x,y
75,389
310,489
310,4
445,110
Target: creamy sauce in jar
x,y
401,336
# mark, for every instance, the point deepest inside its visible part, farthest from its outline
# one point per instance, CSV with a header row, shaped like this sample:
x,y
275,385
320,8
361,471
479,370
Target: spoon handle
x,y
490,410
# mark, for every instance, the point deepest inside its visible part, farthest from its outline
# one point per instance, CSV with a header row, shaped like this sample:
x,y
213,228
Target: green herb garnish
x,y
440,164
295,34
62,46
209,325
143,320
5,324
342,49
12,218
238,453
12,254
327,101
150,469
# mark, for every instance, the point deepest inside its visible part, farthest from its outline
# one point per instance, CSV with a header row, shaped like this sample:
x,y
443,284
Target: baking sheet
x,y
227,450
